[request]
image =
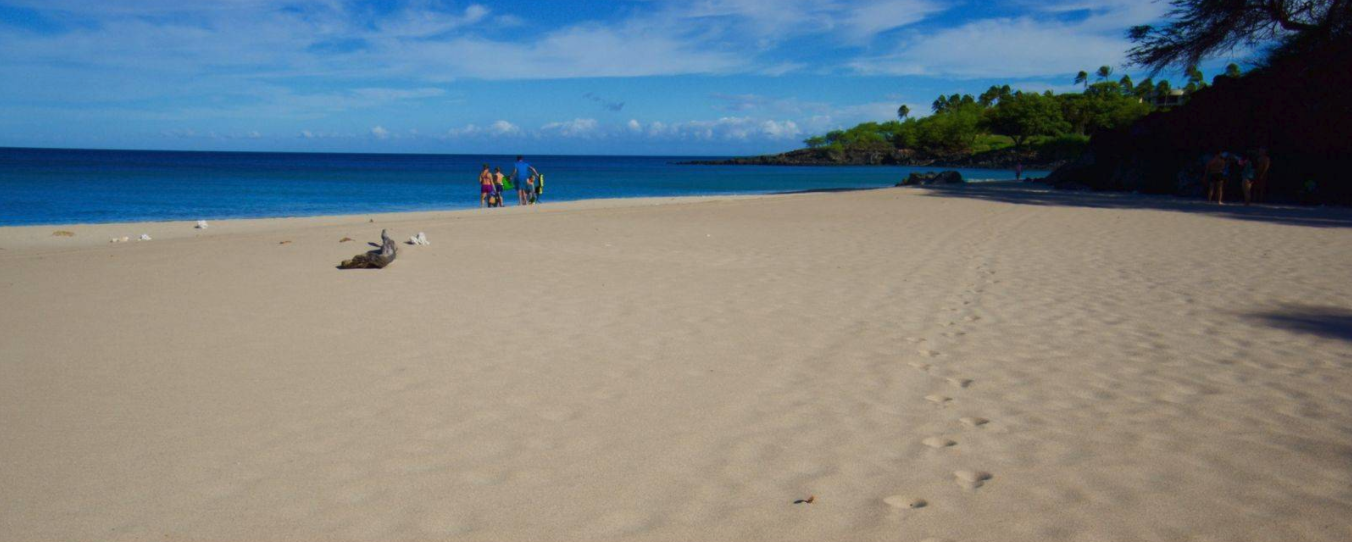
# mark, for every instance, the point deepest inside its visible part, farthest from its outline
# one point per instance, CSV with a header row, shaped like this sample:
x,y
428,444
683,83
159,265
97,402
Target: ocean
x,y
67,186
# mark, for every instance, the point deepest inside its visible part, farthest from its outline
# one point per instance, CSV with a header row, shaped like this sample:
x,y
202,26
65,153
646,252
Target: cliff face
x,y
1300,110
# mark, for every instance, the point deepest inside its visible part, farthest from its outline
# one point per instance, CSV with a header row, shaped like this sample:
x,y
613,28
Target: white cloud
x,y
311,134
379,132
722,129
425,40
573,128
780,130
1042,42
499,128
726,129
874,17
503,128
1019,47
392,94
773,21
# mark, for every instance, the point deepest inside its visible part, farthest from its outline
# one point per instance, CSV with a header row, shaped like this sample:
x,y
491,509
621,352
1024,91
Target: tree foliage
x,y
1198,29
1024,115
962,123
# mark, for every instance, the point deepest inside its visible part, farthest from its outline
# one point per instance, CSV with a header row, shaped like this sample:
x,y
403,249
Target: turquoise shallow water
x,y
57,186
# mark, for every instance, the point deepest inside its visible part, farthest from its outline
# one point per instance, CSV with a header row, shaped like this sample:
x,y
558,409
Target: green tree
x,y
1145,88
815,142
1025,115
1126,84
952,130
903,111
939,104
1196,79
1102,106
1104,72
1082,78
993,95
952,101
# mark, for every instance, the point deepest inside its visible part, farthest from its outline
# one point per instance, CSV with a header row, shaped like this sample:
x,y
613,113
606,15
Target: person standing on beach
x,y
1234,171
1260,172
520,174
1215,178
1246,175
1018,171
485,186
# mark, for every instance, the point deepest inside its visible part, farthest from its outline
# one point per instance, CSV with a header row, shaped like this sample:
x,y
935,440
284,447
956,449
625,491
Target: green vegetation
x,y
1049,125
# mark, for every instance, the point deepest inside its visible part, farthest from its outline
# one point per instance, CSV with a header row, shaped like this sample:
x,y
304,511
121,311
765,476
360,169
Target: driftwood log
x,y
375,259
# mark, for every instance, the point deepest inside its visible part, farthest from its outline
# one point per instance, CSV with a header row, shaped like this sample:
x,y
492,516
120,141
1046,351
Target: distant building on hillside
x,y
1173,98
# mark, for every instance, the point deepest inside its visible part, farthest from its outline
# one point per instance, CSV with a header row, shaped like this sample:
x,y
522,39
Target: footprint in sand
x,y
971,479
905,503
972,318
920,365
938,442
960,382
938,399
974,421
914,340
927,353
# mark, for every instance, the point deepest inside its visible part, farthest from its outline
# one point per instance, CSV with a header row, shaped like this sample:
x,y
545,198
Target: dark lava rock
x,y
928,178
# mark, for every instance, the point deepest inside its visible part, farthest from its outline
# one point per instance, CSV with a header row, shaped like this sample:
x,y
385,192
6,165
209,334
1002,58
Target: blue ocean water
x,y
60,186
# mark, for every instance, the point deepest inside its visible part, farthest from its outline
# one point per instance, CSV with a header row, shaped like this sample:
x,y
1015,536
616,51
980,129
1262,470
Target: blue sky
x,y
686,77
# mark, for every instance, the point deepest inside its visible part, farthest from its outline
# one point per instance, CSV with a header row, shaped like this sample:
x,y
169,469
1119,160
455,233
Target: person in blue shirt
x,y
520,173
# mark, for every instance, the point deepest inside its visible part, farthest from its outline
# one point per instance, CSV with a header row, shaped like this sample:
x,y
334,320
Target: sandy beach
x,y
990,362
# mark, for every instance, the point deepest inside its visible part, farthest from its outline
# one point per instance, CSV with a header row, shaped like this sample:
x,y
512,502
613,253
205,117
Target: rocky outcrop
x,y
929,178
1297,109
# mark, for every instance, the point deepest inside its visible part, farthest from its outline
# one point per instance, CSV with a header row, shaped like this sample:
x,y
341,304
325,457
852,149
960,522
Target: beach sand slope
x,y
974,363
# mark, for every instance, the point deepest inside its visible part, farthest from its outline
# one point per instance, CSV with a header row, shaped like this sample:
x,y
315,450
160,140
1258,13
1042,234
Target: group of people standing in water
x,y
1249,173
528,182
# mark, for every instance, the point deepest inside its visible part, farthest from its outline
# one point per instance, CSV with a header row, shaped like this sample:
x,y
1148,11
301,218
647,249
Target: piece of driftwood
x,y
375,259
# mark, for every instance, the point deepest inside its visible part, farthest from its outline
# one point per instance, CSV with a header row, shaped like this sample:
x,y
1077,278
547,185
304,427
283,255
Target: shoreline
x,y
99,233
607,201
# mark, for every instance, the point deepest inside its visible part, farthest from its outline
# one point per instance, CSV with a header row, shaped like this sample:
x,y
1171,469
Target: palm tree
x,y
1125,83
1145,89
1104,72
903,111
1196,80
940,104
1082,78
1232,70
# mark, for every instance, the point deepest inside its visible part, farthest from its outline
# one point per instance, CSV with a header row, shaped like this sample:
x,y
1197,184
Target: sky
x,y
654,77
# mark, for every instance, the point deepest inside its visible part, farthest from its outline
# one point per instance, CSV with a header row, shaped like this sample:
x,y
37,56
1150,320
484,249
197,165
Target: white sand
x,y
979,363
